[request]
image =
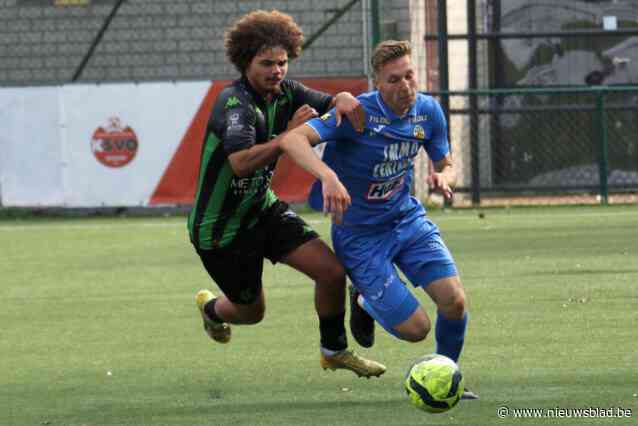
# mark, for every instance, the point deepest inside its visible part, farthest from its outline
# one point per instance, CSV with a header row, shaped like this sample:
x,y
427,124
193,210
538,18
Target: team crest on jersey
x,y
232,102
418,132
325,117
234,125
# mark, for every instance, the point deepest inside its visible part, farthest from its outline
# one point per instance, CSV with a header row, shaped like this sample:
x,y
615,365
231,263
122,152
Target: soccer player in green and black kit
x,y
237,220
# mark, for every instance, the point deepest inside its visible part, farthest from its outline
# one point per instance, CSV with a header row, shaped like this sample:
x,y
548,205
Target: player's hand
x,y
336,199
303,114
348,105
438,183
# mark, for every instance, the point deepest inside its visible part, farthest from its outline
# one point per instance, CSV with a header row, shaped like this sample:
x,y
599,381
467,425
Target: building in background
x,y
150,40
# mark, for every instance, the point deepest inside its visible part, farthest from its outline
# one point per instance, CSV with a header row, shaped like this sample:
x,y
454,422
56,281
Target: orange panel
x,y
179,182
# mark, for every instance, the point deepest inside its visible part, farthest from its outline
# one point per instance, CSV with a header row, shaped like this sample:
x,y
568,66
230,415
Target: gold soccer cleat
x,y
349,360
218,331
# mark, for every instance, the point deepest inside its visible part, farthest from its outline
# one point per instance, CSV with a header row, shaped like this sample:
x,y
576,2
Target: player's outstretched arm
x,y
298,145
245,162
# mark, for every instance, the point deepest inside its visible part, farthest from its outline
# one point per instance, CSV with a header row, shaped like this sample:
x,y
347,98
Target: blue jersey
x,y
376,166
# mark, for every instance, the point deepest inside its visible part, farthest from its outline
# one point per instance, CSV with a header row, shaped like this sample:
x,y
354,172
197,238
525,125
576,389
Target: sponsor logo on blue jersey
x,y
379,191
378,119
418,119
398,157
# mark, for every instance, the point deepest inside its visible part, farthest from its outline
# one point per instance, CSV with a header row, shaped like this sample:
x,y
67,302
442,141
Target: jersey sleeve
x,y
239,128
304,95
437,146
326,127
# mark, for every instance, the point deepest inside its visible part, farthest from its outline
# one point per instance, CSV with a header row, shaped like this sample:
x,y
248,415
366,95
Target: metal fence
x,y
552,97
554,142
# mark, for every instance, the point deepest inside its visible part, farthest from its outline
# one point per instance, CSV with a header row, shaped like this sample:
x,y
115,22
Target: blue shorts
x,y
370,254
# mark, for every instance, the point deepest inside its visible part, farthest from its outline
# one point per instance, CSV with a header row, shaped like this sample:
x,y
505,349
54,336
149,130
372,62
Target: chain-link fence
x,y
545,142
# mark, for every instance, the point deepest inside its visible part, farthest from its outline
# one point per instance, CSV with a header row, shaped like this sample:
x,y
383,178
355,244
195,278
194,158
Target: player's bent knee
x,y
333,275
251,314
415,329
415,336
251,319
255,317
455,307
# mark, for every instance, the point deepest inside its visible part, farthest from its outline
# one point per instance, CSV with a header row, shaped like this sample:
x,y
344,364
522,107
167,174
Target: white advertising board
x,y
91,145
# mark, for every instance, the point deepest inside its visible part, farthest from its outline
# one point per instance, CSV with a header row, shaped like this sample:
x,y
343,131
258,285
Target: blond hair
x,y
387,51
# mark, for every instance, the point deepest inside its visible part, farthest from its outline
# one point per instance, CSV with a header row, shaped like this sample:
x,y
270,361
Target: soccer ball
x,y
434,383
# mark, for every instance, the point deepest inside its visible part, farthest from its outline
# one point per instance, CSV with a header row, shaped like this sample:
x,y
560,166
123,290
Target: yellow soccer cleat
x,y
349,360
218,331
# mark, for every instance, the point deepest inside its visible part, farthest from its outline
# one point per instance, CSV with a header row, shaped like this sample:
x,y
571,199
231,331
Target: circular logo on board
x,y
115,144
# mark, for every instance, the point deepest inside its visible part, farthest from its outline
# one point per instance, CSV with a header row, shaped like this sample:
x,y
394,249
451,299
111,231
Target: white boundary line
x,y
182,223
63,226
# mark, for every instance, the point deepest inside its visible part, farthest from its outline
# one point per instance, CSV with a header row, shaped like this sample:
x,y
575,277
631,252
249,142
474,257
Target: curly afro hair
x,y
259,30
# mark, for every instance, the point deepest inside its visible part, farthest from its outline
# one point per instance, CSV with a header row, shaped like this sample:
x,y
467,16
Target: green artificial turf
x,y
98,326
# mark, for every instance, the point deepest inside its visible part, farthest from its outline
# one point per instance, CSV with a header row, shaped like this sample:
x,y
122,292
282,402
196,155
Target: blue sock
x,y
450,335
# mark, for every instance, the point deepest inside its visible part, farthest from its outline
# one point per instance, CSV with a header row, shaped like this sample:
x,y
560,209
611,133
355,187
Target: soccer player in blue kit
x,y
364,182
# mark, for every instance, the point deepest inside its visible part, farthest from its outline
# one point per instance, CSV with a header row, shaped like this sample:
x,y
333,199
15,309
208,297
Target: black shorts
x,y
237,268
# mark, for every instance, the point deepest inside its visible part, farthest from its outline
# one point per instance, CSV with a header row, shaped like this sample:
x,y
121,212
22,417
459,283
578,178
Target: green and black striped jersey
x,y
225,204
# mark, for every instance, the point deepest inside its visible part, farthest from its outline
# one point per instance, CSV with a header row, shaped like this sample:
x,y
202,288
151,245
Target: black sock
x,y
209,309
333,332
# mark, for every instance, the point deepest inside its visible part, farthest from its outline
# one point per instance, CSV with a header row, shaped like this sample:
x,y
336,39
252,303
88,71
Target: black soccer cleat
x,y
361,323
468,394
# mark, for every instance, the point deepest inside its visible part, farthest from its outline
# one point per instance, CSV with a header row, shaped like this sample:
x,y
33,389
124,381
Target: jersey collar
x,y
387,111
